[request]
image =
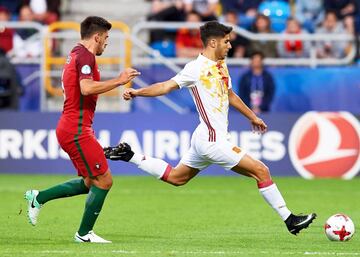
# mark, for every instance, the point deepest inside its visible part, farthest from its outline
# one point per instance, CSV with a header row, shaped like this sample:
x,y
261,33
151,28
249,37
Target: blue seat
x,y
165,47
277,11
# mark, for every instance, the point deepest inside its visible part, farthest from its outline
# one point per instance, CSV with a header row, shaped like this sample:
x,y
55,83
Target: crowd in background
x,y
258,16
256,86
18,42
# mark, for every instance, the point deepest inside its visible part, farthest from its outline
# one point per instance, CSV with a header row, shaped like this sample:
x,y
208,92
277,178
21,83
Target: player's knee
x,y
177,181
106,183
262,172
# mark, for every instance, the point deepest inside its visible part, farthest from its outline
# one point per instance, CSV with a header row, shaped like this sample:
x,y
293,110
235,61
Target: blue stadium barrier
x,y
298,89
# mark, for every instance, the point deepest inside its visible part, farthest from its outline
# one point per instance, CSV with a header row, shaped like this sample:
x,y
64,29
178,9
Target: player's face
x,y
102,41
223,47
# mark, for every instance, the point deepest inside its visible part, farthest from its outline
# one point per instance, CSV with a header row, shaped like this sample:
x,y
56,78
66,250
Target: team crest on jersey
x,y
86,69
97,166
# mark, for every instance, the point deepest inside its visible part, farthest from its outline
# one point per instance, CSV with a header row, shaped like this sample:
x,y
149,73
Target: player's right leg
x,y
92,165
158,168
99,187
256,169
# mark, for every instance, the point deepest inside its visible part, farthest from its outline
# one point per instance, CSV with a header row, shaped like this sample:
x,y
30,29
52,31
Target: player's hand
x,y
127,75
129,93
258,125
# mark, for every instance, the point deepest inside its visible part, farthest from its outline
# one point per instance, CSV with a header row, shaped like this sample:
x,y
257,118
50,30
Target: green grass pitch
x,y
210,216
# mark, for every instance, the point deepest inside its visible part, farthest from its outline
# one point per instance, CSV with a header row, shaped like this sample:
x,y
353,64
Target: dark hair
x,y
255,53
92,25
213,29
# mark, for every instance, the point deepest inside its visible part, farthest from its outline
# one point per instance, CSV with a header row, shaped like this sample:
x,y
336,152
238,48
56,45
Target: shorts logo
x,y
326,144
97,166
236,149
86,69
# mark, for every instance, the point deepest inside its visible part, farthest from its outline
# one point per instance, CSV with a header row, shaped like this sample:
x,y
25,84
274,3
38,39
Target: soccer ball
x,y
339,227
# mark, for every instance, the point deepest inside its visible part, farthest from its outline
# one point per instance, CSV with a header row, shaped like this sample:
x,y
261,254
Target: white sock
x,y
274,198
155,167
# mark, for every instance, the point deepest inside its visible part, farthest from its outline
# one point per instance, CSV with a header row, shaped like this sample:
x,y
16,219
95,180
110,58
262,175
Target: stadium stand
x,y
157,60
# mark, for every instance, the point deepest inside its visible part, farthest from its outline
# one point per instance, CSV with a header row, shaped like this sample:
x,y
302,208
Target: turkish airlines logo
x,y
326,144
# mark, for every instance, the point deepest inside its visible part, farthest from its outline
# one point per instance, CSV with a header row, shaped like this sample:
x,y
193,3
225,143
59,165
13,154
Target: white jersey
x,y
208,82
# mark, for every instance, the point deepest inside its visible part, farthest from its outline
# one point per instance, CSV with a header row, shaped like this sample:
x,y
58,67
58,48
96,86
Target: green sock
x,y
69,188
93,205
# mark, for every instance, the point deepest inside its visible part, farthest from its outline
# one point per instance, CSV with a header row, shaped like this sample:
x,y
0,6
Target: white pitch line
x,y
332,253
216,253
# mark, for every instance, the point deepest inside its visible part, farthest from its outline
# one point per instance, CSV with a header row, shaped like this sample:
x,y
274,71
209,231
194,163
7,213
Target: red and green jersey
x,y
78,113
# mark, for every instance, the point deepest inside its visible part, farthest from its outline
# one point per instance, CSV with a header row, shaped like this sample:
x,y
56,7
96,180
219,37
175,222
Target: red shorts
x,y
85,153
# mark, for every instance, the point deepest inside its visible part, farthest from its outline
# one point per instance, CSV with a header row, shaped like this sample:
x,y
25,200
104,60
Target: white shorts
x,y
203,153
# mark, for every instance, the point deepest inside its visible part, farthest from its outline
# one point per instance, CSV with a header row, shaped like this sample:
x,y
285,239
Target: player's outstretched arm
x,y
91,87
157,89
257,123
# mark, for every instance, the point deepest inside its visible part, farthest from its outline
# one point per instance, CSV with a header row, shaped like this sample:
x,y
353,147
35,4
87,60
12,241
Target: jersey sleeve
x,y
230,83
85,65
187,76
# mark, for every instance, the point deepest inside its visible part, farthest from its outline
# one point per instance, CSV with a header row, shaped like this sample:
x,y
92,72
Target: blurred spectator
x,y
10,86
262,24
44,11
344,10
239,44
6,34
293,48
247,10
206,8
165,10
188,41
25,42
310,13
13,6
331,49
256,87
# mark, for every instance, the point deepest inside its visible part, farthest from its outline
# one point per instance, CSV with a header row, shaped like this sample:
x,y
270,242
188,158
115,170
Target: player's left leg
x,y
158,168
37,198
259,171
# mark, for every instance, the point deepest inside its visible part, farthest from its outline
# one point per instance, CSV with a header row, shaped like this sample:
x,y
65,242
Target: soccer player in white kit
x,y
208,80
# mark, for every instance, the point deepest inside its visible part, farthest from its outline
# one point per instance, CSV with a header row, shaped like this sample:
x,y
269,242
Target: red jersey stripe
x,y
212,133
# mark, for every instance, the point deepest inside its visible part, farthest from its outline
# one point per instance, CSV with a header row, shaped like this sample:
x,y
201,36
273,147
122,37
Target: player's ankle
x,y
137,158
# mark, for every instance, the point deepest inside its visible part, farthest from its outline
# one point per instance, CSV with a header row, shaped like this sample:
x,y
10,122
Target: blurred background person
x,y
257,87
45,11
188,41
239,43
262,24
293,48
13,6
245,9
26,43
165,10
10,84
6,34
331,49
206,8
310,13
344,10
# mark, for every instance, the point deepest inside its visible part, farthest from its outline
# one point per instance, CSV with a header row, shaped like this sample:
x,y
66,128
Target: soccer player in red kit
x,y
81,84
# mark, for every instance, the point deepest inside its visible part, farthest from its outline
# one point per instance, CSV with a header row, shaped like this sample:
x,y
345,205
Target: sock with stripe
x,y
93,205
273,197
155,167
67,189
